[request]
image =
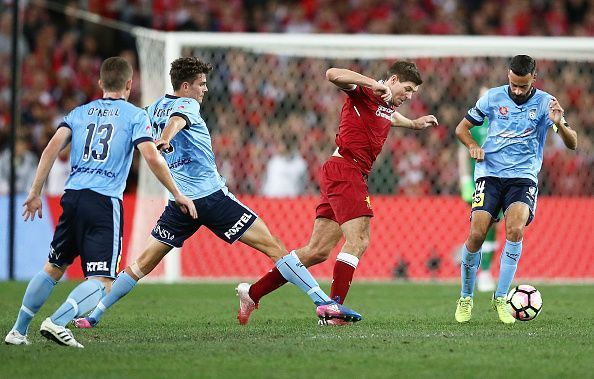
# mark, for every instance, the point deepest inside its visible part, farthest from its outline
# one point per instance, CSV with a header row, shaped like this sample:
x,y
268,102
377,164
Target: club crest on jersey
x,y
368,201
503,110
532,114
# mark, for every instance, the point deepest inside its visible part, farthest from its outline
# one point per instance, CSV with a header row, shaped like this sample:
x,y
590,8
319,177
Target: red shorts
x,y
343,191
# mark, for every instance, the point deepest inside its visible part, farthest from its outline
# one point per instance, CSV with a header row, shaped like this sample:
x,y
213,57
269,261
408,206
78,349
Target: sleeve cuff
x,y
473,121
63,125
354,87
178,114
141,140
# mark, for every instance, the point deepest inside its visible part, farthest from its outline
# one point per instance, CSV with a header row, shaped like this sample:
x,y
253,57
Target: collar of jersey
x,y
171,96
112,98
523,102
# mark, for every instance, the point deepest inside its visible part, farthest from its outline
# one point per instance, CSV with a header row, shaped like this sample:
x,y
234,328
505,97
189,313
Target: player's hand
x,y
477,153
186,205
163,145
32,205
555,111
382,91
424,122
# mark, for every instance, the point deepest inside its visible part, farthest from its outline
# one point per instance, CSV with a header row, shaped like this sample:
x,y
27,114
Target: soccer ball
x,y
525,302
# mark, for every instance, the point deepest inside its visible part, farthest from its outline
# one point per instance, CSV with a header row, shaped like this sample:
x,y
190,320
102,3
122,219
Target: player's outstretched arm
x,y
347,79
568,135
159,167
399,120
463,134
59,141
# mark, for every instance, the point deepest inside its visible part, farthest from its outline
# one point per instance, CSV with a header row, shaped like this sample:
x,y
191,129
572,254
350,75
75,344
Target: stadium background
x,y
270,117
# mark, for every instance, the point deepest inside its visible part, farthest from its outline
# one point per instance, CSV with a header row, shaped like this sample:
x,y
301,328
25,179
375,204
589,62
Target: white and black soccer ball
x,y
525,302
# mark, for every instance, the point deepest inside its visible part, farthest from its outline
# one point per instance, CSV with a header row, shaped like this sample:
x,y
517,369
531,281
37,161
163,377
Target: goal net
x,y
273,118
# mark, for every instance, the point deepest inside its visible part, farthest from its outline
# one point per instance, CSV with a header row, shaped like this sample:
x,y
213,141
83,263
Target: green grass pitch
x,y
190,331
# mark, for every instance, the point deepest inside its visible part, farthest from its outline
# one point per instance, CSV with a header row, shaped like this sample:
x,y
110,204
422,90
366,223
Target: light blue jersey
x,y
191,161
516,135
104,133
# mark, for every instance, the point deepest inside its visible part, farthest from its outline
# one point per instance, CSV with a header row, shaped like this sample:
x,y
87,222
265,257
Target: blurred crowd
x,y
273,120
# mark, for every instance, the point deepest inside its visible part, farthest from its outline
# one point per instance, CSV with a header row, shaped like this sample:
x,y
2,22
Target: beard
x,y
521,98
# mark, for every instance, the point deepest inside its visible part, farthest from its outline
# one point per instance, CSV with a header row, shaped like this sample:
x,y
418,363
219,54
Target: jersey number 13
x,y
98,150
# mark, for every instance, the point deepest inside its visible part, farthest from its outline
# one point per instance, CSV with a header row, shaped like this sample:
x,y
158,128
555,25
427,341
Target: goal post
x,y
268,94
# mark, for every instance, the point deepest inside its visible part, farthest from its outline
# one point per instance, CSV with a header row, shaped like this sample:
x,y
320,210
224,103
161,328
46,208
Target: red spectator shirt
x,y
364,127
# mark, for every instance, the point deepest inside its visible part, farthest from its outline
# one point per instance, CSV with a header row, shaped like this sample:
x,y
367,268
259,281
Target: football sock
x,y
295,272
344,268
266,284
120,287
37,292
468,267
488,249
82,299
509,263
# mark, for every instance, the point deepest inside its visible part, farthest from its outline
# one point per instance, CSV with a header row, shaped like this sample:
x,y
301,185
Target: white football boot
x,y
58,334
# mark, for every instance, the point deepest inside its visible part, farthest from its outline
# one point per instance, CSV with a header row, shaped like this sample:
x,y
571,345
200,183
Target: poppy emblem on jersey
x,y
181,107
503,110
532,114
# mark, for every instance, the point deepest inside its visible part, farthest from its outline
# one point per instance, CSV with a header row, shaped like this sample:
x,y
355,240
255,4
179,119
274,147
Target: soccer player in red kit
x,y
345,208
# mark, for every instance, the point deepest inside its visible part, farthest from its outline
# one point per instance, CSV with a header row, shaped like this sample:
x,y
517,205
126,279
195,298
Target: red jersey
x,y
364,127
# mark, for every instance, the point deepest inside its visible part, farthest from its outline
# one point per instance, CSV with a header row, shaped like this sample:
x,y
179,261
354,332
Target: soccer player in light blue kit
x,y
506,172
103,134
184,139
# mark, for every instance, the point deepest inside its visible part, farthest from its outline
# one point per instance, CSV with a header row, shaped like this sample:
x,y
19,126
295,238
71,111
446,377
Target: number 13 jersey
x,y
104,133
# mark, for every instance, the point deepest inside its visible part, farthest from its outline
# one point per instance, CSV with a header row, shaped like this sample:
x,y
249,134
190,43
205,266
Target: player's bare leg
x,y
325,236
259,237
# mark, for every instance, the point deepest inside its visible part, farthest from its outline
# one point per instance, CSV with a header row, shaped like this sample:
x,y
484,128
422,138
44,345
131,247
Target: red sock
x,y
266,284
342,276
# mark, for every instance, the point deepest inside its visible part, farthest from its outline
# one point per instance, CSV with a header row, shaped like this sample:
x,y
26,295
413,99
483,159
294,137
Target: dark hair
x,y
115,72
522,65
187,69
406,72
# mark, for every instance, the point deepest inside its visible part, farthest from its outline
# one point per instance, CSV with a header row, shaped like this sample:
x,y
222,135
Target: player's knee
x,y
279,243
314,253
475,240
315,257
514,233
357,245
55,272
105,281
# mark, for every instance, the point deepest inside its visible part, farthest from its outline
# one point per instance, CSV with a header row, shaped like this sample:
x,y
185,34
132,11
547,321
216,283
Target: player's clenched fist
x,y
383,91
476,152
424,122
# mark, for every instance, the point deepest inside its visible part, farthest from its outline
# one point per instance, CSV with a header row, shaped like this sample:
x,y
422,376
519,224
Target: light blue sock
x,y
37,292
82,299
122,285
507,269
295,272
468,267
